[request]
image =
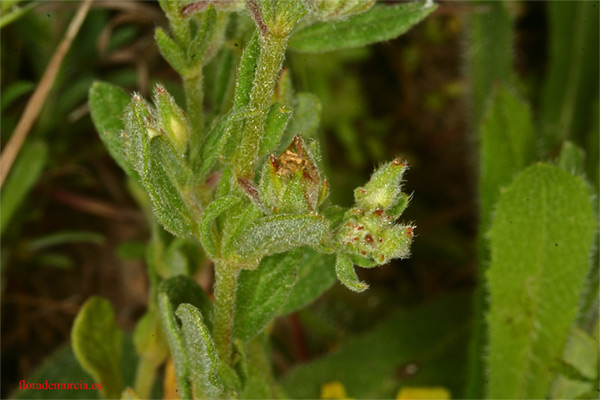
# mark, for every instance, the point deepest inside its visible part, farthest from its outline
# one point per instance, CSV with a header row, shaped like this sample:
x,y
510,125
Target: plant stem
x,y
194,98
144,378
225,286
272,53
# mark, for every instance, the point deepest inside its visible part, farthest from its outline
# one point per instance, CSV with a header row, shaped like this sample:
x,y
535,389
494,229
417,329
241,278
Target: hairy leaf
x,y
171,52
97,342
210,237
277,120
176,344
344,269
246,72
316,274
305,119
507,147
107,107
541,240
201,353
183,289
279,233
262,292
380,23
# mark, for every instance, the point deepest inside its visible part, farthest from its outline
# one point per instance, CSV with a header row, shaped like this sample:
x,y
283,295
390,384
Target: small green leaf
x,y
171,52
183,289
262,292
97,345
572,159
172,119
246,71
380,23
279,233
316,274
199,45
209,236
107,107
201,354
507,147
277,120
344,269
541,241
176,344
14,91
305,119
26,170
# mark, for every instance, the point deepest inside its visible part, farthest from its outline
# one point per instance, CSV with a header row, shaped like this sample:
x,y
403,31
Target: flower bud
x,y
172,119
332,10
383,189
292,184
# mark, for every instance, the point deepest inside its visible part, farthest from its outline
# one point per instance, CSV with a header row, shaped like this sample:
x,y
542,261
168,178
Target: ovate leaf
x,y
97,345
107,107
279,233
201,353
262,292
380,23
316,274
540,240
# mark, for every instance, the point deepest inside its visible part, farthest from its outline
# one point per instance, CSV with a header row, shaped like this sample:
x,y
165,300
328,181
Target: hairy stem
x,y
225,286
194,98
272,53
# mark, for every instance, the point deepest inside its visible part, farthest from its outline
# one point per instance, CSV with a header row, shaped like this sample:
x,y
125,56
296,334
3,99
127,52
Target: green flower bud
x,y
383,189
332,10
292,184
172,120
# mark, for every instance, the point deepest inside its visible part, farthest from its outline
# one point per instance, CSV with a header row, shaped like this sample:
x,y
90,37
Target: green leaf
x,y
201,354
176,344
107,107
315,275
211,239
429,338
197,48
541,242
507,146
183,289
59,238
380,23
572,159
14,91
305,119
279,233
97,344
344,269
262,292
571,84
277,119
26,170
246,72
489,54
171,52
581,354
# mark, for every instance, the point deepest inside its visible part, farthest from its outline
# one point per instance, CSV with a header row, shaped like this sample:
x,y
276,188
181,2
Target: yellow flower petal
x,y
423,393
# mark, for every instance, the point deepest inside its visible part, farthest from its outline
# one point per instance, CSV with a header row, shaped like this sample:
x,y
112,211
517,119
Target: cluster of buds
x,y
291,183
369,234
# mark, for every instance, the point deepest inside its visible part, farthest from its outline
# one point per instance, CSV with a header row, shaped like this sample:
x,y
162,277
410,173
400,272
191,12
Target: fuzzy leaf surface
x,y
176,344
171,52
183,289
97,344
541,241
201,353
262,292
507,147
208,232
279,233
378,24
107,107
316,274
344,269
